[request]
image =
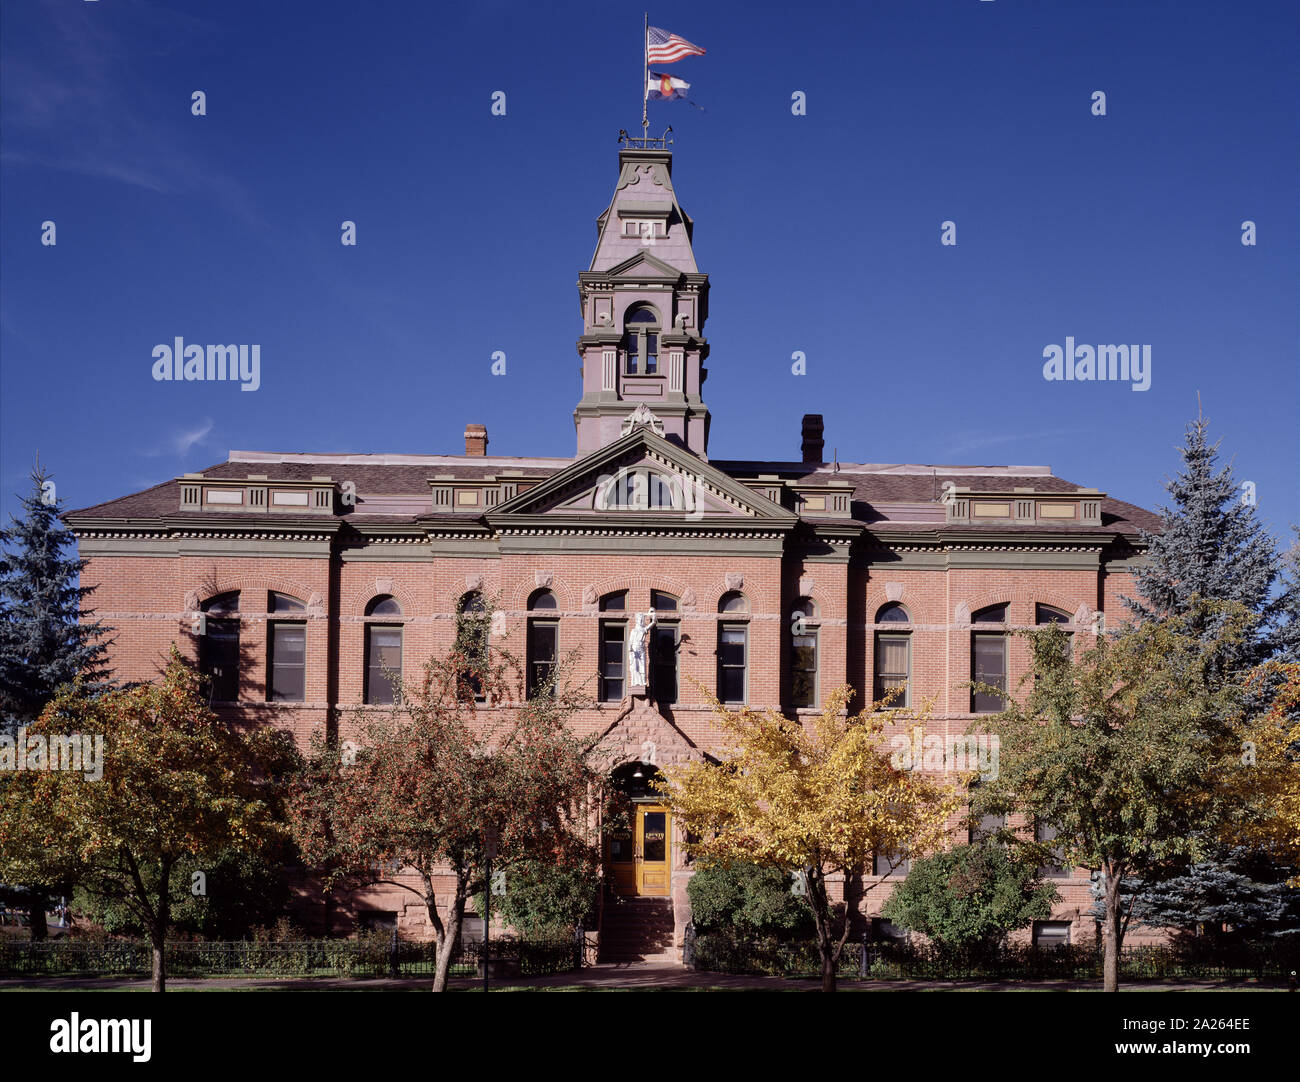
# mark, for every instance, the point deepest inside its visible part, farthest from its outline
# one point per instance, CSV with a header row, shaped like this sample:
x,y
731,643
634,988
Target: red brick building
x,y
297,577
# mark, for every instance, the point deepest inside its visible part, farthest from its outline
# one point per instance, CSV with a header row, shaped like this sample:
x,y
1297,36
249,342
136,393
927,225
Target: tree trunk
x,y
820,905
448,936
828,969
159,965
40,903
158,930
1113,930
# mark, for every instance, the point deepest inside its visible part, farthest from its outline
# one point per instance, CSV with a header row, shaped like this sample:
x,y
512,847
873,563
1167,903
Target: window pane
x,y
614,602
611,662
995,614
733,602
284,603
384,606
892,667
223,603
662,602
892,614
642,315
219,659
383,655
543,599
541,654
663,673
803,675
651,353
288,667
731,664
988,666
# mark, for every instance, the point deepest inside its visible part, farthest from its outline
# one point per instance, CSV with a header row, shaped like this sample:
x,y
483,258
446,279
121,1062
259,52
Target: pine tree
x,y
46,639
1285,638
1211,545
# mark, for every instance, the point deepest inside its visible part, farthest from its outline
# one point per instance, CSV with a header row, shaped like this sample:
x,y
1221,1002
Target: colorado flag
x,y
663,87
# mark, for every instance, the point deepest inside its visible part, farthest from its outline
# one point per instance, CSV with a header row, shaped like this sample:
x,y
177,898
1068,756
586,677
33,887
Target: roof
x,y
394,489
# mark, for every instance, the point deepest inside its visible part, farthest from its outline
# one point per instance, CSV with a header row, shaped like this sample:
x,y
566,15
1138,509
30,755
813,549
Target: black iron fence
x,y
367,956
903,960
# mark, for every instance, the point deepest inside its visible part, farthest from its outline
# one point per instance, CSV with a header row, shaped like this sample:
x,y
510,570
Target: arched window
x,y
893,656
219,646
543,643
384,605
383,646
733,601
472,629
277,602
1046,614
639,489
892,613
989,661
640,345
804,626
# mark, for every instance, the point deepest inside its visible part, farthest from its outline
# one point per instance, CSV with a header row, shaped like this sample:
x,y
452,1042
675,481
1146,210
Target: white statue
x,y
638,648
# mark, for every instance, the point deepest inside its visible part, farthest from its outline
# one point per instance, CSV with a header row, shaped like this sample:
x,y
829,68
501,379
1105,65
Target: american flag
x,y
664,48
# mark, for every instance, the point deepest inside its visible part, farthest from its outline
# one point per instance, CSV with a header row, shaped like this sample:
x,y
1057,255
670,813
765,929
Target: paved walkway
x,y
640,976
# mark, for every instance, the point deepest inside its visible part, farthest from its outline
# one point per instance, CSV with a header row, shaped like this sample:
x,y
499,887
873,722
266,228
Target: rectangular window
x,y
543,636
651,354
893,662
731,662
613,655
803,670
286,667
1051,933
1055,869
988,666
663,674
899,864
383,660
219,659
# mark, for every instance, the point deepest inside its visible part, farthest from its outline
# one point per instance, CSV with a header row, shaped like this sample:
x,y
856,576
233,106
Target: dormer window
x,y
640,345
642,227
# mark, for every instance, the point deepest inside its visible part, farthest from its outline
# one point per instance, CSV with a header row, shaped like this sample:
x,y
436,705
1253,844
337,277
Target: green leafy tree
x,y
552,894
1130,750
177,783
747,900
238,891
970,897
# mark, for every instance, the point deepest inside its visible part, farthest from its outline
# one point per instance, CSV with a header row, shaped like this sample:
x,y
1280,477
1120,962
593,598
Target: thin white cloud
x,y
182,442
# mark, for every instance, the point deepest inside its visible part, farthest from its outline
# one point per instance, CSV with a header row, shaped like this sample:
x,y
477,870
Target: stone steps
x,y
638,930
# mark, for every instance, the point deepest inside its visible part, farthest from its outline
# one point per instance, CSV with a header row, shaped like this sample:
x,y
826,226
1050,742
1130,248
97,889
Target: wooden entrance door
x,y
653,848
638,861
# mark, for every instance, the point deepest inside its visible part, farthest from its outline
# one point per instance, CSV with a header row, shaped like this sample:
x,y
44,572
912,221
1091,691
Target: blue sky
x,y
820,233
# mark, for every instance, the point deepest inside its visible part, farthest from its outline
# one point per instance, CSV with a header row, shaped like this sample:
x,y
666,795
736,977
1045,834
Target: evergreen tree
x,y
46,639
1286,628
1211,545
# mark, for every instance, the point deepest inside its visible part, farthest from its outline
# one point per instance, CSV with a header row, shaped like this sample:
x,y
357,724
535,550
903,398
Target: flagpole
x,y
645,77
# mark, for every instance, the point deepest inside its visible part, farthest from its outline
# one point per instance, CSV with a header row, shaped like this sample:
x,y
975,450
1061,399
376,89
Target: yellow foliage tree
x,y
1270,786
818,796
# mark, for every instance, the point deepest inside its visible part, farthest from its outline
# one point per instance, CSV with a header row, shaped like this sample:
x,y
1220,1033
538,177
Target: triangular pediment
x,y
643,265
638,477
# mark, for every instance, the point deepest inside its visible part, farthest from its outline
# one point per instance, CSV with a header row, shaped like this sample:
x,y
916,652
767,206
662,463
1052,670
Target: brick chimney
x,y
814,446
476,441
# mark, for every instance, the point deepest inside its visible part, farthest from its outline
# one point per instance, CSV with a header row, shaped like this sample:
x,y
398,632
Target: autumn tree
x,y
818,796
433,775
170,782
1126,749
